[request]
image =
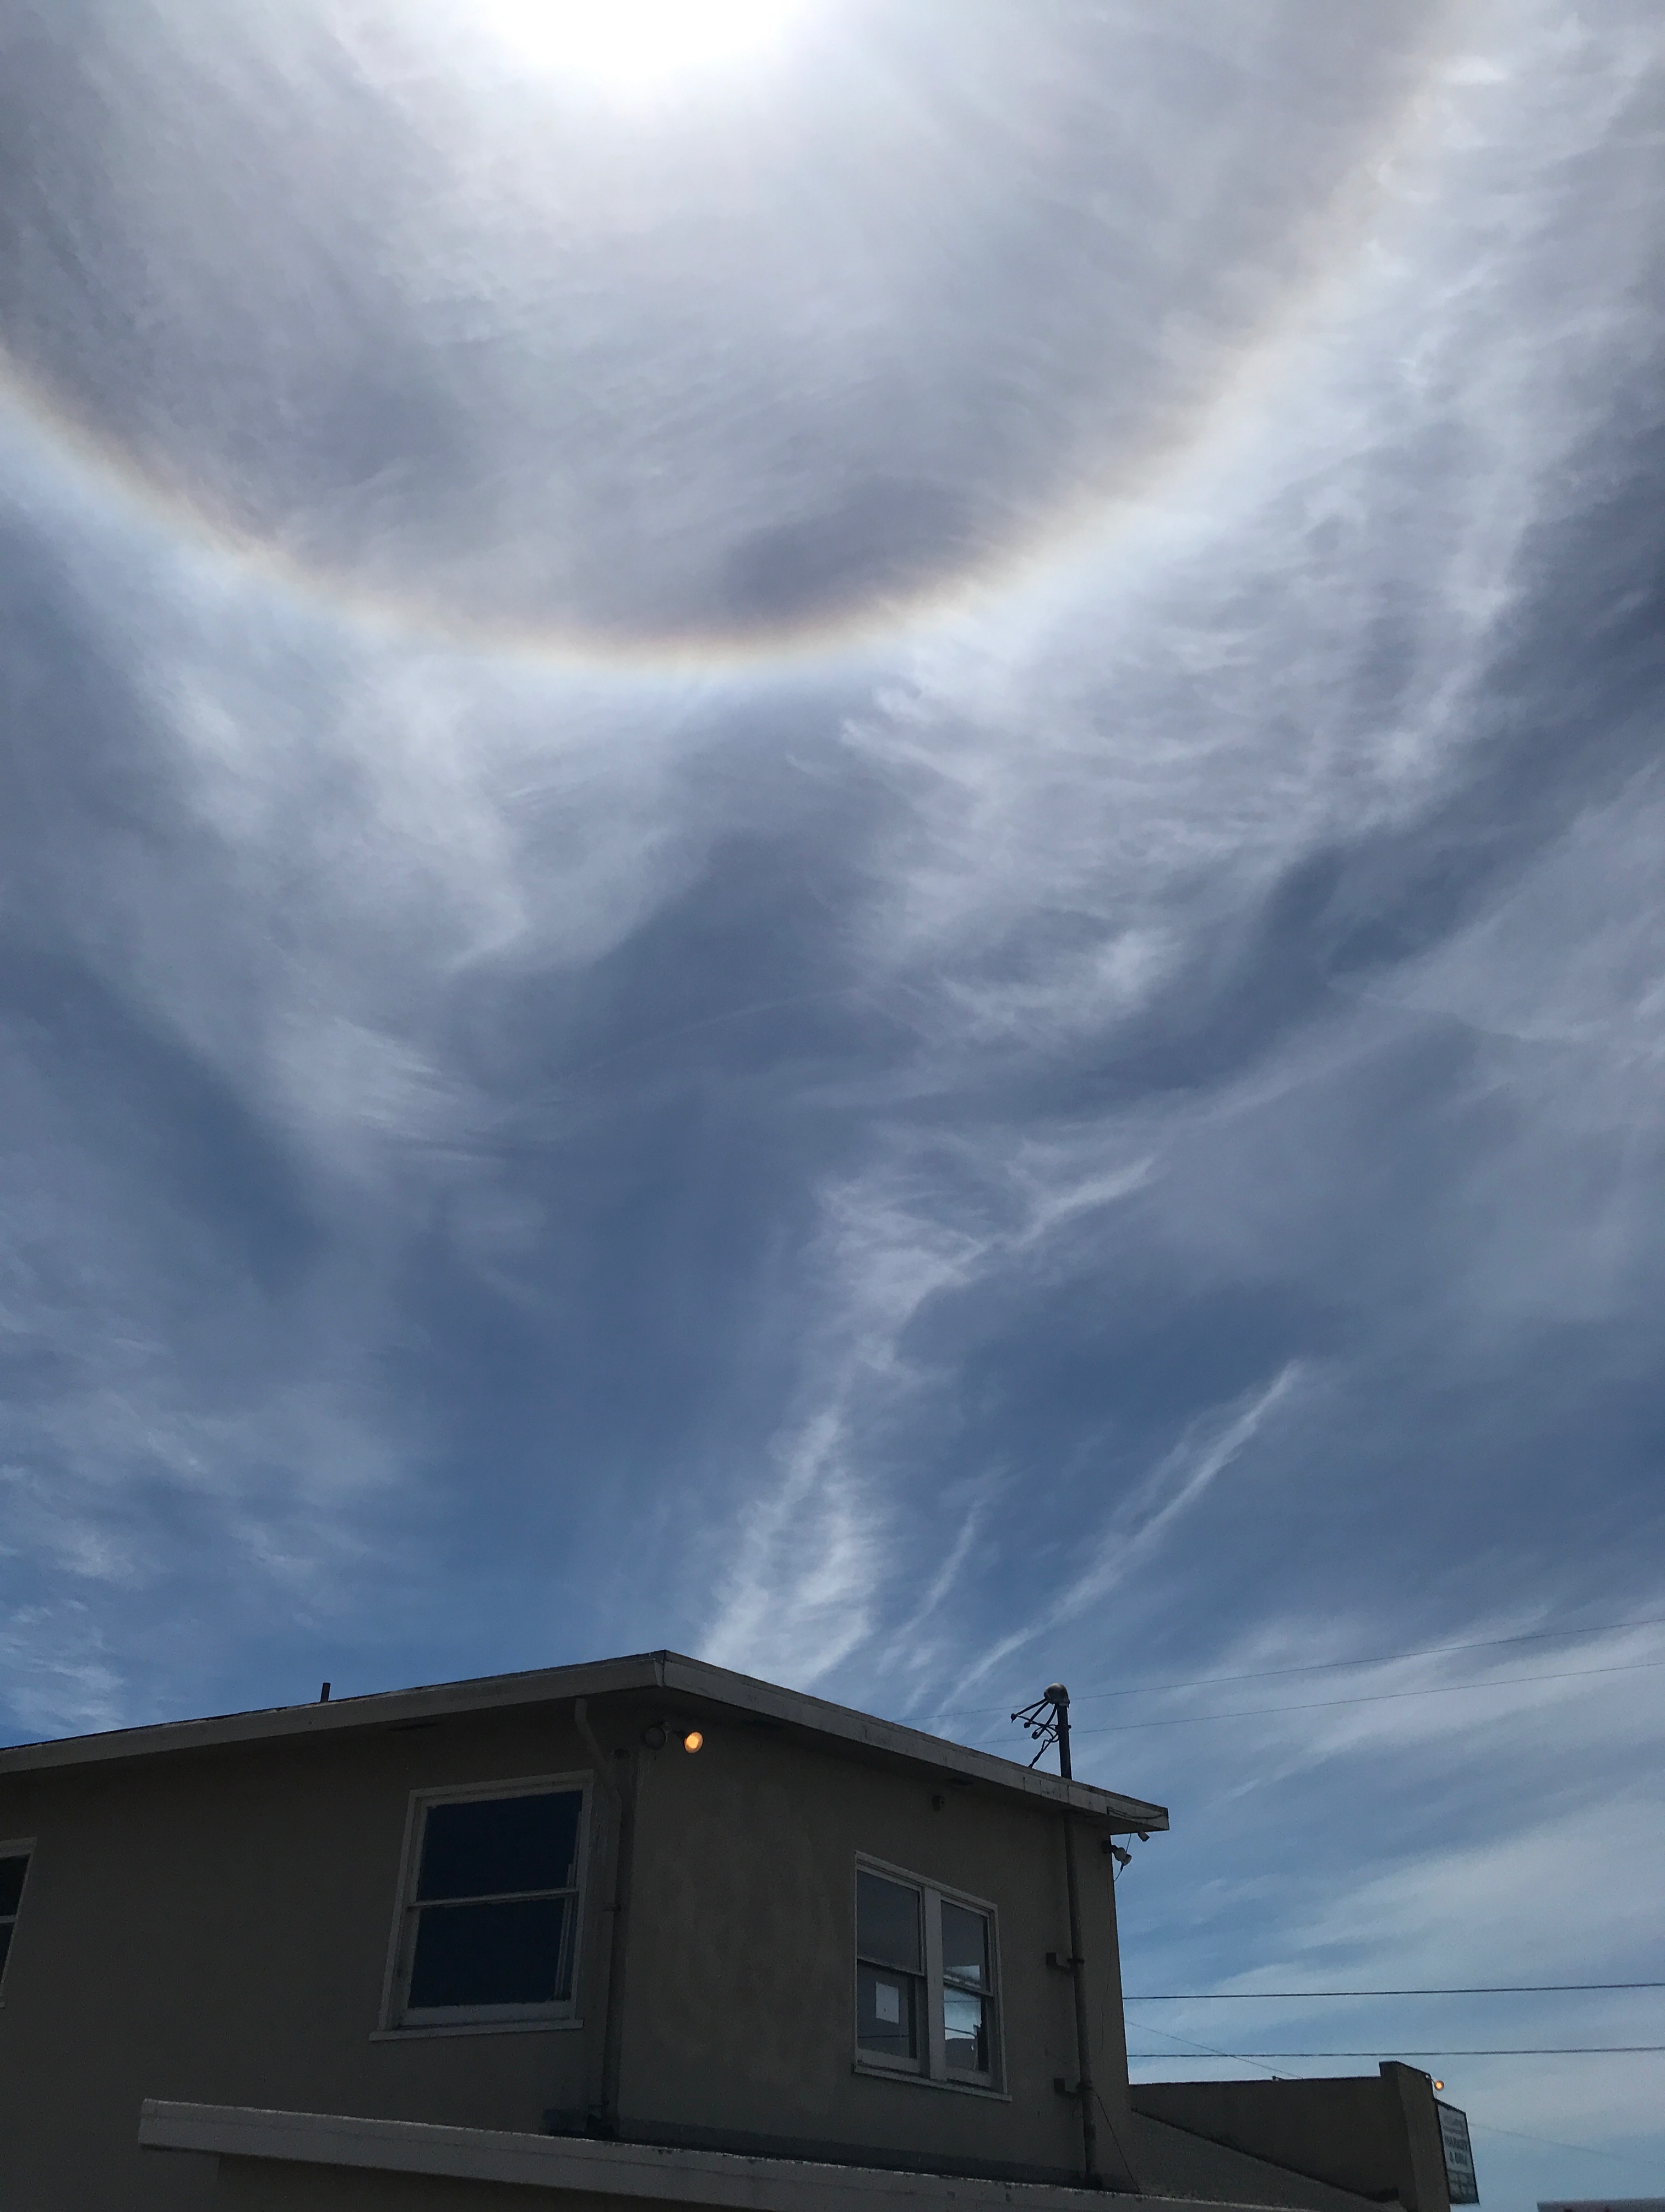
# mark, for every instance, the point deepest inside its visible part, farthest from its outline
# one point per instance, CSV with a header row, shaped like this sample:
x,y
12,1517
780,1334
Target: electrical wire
x,y
1373,1697
1552,2143
1237,2058
1121,2154
1323,1666
1498,2051
1471,1990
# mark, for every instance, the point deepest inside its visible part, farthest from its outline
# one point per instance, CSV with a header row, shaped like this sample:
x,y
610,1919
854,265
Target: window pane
x,y
965,2032
11,1884
887,2012
486,1845
965,1945
887,1921
5,1943
489,1954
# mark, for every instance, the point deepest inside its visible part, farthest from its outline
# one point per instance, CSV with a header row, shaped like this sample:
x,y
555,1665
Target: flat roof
x,y
638,2173
667,1672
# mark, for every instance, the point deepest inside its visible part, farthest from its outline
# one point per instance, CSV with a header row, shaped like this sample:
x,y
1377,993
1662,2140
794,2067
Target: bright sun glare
x,y
635,45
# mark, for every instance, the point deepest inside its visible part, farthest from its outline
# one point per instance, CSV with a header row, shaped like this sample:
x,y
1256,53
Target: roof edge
x,y
737,2182
895,1738
670,1671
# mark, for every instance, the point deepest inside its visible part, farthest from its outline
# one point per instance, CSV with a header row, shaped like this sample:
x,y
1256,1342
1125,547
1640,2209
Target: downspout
x,y
1084,2088
603,2121
1085,2091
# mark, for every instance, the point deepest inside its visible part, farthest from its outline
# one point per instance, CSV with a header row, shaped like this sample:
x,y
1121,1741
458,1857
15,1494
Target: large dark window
x,y
490,1922
925,1975
13,1865
890,1972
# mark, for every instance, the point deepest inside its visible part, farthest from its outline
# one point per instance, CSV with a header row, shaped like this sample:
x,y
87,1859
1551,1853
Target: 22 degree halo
x,y
637,47
501,359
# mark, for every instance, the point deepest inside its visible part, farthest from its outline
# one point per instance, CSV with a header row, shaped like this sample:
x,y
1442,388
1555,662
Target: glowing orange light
x,y
1439,2085
692,1740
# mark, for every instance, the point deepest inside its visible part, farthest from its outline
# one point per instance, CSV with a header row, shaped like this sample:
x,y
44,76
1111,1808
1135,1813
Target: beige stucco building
x,y
525,1941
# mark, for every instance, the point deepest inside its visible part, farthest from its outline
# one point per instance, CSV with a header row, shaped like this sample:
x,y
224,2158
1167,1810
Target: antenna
x,y
1048,1721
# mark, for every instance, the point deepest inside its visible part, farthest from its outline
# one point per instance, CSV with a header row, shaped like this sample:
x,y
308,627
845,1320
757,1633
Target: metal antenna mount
x,y
1047,1719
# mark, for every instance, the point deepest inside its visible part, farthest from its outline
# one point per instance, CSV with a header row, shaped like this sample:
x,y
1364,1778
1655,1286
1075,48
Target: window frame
x,y
399,2019
15,1847
931,2068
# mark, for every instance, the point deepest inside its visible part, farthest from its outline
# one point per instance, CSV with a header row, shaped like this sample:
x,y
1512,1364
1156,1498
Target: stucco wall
x,y
1376,2134
739,2011
251,2185
214,1925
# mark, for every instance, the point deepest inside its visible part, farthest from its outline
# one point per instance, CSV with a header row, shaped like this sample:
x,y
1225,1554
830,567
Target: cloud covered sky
x,y
860,866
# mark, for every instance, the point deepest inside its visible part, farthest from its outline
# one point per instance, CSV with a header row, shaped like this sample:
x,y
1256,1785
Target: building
x,y
640,1929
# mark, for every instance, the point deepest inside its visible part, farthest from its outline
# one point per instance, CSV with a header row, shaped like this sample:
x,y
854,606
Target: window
x,y
925,1981
890,1971
488,1915
13,1865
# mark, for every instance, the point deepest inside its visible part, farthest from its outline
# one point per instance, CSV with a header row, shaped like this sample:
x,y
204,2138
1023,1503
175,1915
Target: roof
x,y
888,1742
554,2165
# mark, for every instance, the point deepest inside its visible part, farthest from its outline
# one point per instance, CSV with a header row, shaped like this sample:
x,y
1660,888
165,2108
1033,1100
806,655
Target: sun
x,y
633,47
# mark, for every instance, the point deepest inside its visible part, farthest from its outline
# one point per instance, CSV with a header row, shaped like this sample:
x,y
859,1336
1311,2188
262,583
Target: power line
x,y
1498,2051
1552,2142
1324,1666
1472,1990
1372,1698
1236,2057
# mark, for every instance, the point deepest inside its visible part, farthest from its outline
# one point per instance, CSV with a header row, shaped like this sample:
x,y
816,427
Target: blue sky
x,y
855,861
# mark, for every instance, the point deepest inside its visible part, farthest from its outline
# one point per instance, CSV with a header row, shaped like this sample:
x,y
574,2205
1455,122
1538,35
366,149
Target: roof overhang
x,y
664,1672
639,2172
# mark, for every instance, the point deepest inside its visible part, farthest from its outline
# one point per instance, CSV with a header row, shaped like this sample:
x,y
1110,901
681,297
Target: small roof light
x,y
1439,2085
692,1740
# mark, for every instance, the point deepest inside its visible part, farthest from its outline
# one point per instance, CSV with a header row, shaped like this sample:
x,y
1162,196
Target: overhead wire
x,y
1321,1666
1495,2051
1369,1697
1457,1990
1237,2058
1552,2143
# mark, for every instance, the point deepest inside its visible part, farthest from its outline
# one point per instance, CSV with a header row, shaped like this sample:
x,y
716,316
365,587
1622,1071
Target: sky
x,y
834,835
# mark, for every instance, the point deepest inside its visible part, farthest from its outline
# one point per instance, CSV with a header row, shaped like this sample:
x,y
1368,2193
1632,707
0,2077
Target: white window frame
x,y
931,2068
398,2017
15,1847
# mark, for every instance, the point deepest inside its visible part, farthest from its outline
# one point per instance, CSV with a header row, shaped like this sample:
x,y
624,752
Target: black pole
x,y
612,2053
1058,1698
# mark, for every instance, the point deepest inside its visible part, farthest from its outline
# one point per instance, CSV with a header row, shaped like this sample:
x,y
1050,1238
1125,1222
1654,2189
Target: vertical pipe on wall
x,y
612,2050
1060,1703
1060,1699
604,2120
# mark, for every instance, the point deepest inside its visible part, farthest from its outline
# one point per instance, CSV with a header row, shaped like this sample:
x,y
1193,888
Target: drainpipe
x,y
604,2120
1058,1698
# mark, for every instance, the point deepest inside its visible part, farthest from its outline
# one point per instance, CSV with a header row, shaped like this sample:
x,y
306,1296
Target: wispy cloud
x,y
1103,1115
813,1565
1141,1521
1172,1489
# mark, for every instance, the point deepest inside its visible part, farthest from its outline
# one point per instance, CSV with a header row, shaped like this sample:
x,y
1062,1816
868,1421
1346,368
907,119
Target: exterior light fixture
x,y
1439,2085
658,1734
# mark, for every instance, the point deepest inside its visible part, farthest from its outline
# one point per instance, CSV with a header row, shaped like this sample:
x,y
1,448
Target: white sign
x,y
1461,2184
